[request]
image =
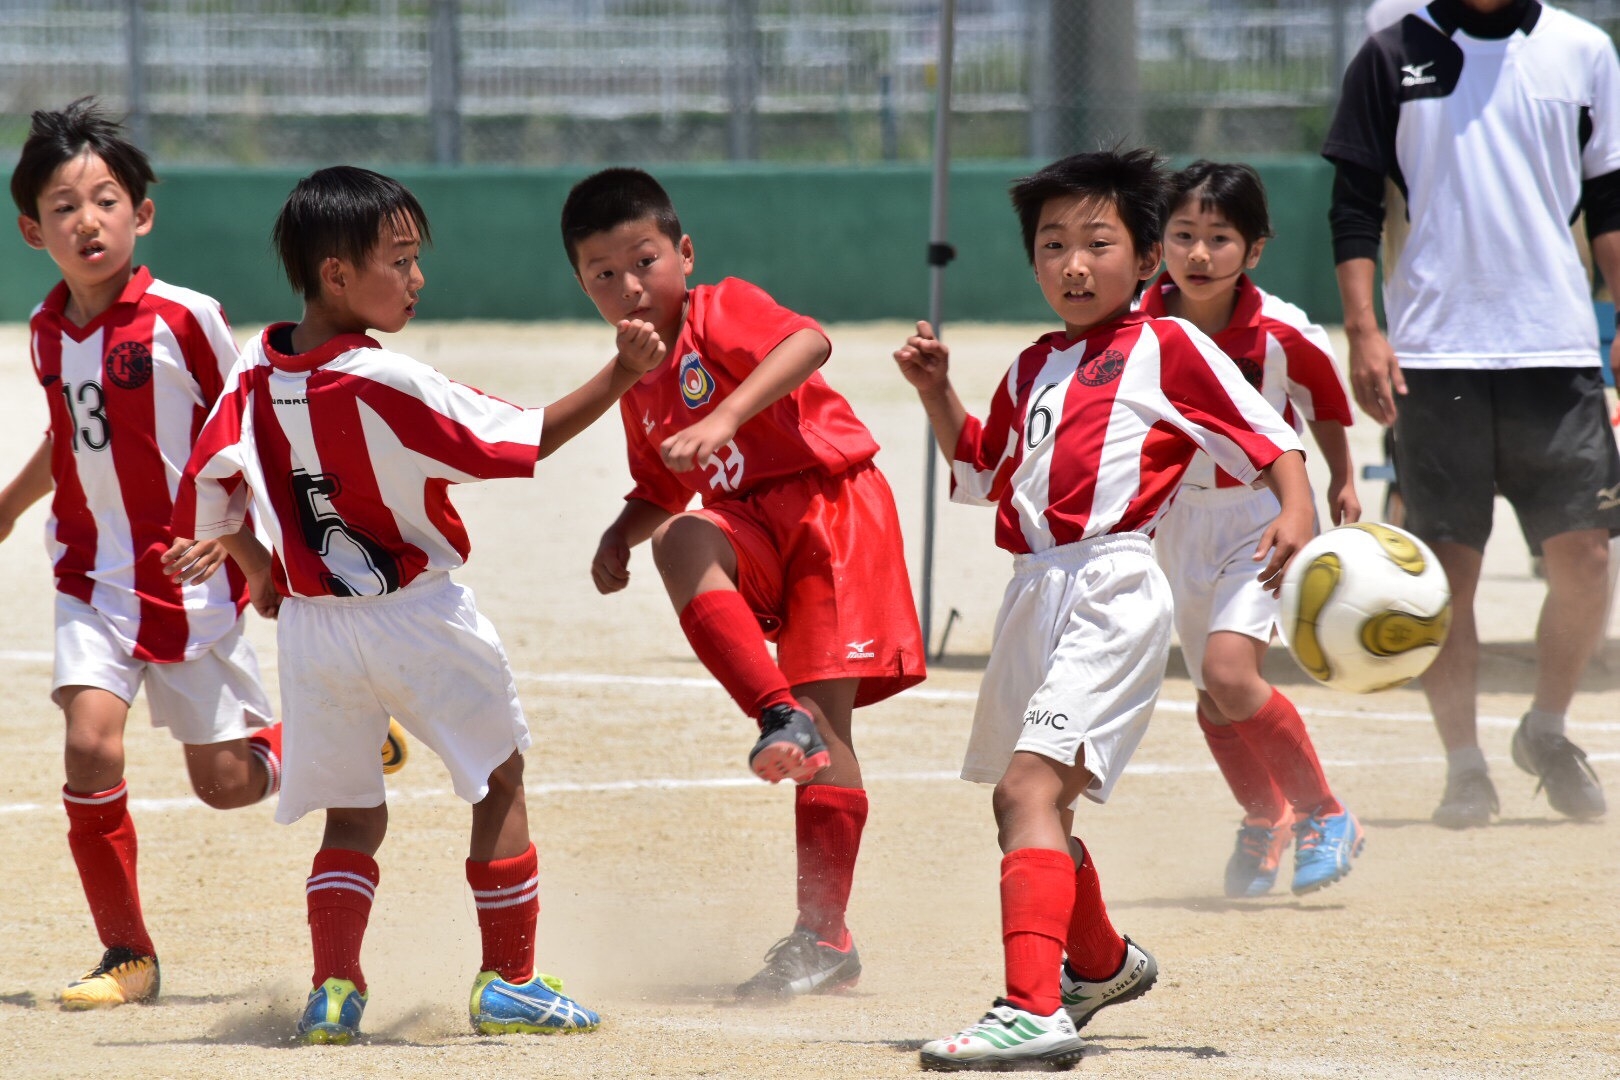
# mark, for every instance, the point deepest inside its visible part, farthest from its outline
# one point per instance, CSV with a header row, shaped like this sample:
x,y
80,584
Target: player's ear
x,y
1254,254
32,234
333,274
1149,260
688,258
144,213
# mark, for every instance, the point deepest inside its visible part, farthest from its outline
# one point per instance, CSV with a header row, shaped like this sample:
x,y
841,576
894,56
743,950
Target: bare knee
x,y
506,779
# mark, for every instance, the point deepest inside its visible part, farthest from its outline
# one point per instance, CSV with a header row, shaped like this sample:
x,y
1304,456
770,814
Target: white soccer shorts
x,y
214,698
1079,654
1206,544
423,655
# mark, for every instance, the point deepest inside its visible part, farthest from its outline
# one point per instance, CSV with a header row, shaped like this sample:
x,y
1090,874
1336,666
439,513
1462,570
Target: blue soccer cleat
x,y
1323,848
332,1014
537,1007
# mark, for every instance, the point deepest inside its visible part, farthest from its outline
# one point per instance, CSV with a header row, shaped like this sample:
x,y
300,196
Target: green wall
x,y
837,243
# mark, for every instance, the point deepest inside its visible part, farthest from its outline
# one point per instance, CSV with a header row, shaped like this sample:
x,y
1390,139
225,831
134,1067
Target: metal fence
x,y
555,81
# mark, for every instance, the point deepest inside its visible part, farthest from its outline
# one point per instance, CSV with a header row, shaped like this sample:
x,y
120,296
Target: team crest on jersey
x,y
1251,368
697,385
129,365
1101,370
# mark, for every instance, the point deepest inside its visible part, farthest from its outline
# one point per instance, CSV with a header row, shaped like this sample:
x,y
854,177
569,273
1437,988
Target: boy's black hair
x,y
1232,190
339,212
607,199
1133,181
58,137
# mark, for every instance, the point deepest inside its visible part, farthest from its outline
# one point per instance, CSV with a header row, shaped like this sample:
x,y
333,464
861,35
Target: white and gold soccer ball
x,y
1365,607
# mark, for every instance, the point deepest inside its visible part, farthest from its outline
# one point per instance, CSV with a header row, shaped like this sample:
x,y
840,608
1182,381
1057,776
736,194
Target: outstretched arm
x,y
640,350
32,484
925,362
784,369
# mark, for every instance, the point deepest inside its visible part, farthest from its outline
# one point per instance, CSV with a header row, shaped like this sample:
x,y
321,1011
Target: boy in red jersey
x,y
796,541
347,451
130,366
1218,227
1087,437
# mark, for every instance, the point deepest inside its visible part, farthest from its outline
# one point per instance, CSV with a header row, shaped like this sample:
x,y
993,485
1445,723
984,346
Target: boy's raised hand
x,y
192,561
640,347
924,359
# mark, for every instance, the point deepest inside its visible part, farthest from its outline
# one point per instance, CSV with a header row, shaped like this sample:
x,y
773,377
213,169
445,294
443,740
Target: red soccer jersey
x,y
729,329
347,453
1091,436
1284,355
128,394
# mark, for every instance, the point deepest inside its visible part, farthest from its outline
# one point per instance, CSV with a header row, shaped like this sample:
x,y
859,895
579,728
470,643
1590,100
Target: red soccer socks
x,y
1246,773
1276,734
101,836
266,746
1037,898
340,889
507,892
828,822
1095,949
726,637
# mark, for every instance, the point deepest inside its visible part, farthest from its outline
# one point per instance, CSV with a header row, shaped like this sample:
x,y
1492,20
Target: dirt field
x,y
667,870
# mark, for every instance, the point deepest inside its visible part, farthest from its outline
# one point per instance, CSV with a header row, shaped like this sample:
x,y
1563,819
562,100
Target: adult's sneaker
x,y
332,1013
1008,1038
537,1007
1252,869
1324,845
395,748
1469,801
789,747
1572,787
123,977
802,963
1082,998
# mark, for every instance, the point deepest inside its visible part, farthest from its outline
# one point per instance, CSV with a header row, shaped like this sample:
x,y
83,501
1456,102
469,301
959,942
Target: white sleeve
x,y
1601,154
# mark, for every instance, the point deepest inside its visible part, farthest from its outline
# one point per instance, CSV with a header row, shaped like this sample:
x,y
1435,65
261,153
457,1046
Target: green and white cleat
x,y
1008,1038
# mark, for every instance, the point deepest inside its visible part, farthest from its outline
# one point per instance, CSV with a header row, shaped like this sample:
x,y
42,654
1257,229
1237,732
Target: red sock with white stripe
x,y
340,889
1095,949
828,822
101,836
507,892
266,746
1246,773
1037,894
726,637
1277,735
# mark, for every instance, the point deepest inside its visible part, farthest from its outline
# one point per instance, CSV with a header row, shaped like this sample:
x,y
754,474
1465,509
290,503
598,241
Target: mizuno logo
x,y
861,650
1608,498
1417,74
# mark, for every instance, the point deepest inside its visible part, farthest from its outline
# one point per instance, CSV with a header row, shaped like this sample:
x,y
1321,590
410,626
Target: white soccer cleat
x,y
1008,1038
1135,977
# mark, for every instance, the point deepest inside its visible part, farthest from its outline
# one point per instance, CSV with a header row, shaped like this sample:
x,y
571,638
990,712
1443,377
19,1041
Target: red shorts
x,y
821,561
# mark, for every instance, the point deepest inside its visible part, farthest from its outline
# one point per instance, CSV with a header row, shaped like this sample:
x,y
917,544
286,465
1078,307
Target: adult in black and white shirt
x,y
1499,120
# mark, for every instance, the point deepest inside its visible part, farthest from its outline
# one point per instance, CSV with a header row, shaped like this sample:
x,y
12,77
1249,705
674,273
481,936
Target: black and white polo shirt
x,y
1495,127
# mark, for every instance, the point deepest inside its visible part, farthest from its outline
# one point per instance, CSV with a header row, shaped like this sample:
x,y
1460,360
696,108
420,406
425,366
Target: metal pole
x,y
444,80
742,33
135,56
1341,46
940,253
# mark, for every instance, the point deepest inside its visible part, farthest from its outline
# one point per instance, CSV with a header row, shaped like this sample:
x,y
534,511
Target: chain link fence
x,y
545,82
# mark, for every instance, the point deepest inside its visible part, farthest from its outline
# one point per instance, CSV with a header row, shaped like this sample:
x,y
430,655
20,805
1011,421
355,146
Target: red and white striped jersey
x,y
1092,436
347,453
1284,355
128,394
729,329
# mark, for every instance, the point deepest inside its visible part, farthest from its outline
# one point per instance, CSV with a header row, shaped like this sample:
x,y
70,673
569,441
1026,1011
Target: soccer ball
x,y
1365,607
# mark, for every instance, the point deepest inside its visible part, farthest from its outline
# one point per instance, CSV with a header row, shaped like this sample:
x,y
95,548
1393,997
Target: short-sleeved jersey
x,y
1092,436
1490,141
729,329
128,394
346,454
1282,354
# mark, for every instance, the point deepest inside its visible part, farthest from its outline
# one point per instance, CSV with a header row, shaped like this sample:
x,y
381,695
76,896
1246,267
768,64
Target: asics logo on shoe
x,y
1417,74
861,650
557,1009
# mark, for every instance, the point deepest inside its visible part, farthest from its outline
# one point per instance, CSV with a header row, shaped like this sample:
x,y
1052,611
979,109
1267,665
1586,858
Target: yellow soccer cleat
x,y
395,749
122,978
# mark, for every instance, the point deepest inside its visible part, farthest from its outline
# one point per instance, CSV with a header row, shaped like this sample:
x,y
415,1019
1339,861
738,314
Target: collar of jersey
x,y
1060,340
1453,15
323,353
57,299
1245,314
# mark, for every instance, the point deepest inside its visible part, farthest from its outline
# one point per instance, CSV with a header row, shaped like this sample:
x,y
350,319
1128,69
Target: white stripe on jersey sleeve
x,y
210,316
971,486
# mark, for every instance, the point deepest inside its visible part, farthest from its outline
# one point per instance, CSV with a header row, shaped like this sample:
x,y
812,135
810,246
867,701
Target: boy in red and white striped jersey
x,y
346,451
1087,437
130,366
1218,227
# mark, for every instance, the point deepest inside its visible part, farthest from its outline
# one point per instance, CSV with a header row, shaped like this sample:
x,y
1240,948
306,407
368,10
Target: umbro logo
x,y
289,401
1417,74
1608,498
861,650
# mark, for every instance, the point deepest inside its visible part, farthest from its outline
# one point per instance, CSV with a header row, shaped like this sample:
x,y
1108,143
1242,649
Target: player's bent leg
x,y
693,556
93,754
1100,966
500,820
338,893
231,774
